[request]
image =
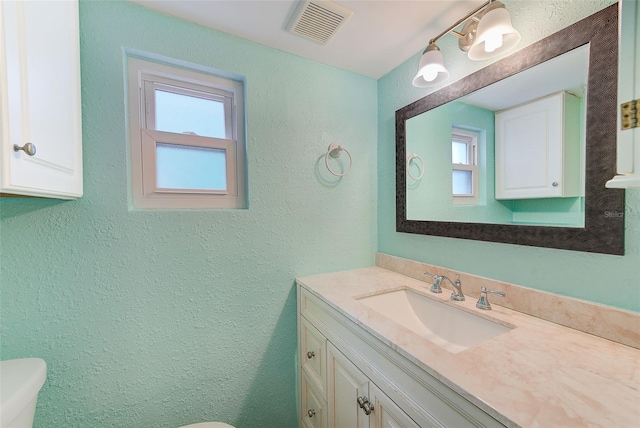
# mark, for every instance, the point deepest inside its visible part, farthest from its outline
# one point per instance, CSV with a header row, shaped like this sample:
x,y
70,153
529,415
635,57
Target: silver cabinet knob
x,y
368,408
311,412
311,354
28,148
554,184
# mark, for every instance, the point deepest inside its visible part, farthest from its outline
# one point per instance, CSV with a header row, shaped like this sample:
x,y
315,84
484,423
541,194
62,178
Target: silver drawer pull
x,y
361,401
311,412
28,148
368,408
311,354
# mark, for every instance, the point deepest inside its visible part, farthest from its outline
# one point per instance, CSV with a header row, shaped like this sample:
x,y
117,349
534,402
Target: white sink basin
x,y
448,327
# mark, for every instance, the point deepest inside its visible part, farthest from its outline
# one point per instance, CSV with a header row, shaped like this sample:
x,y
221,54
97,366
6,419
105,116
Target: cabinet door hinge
x,y
630,114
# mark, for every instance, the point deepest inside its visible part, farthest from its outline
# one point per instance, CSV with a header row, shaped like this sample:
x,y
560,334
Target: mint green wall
x,y
430,135
158,319
610,280
548,211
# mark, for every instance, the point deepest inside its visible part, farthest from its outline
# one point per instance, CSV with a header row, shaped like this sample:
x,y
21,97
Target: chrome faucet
x,y
456,286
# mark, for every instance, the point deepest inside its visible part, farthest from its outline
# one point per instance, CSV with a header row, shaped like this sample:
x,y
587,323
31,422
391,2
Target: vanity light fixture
x,y
487,32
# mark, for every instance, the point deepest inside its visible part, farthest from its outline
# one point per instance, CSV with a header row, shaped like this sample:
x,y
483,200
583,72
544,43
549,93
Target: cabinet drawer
x,y
313,350
313,411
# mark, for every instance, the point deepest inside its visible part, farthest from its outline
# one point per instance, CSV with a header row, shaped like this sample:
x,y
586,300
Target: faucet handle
x,y
483,301
435,287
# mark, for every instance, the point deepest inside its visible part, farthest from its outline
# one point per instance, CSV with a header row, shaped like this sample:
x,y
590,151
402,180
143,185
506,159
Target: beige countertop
x,y
538,374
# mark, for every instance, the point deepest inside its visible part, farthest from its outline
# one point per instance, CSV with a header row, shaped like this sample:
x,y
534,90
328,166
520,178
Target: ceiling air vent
x,y
318,20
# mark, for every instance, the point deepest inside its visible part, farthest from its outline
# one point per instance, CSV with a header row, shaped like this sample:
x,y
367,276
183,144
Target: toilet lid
x,y
208,425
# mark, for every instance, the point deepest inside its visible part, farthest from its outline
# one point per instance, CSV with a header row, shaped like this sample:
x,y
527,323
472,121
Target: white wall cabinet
x,y
538,151
339,362
628,152
40,99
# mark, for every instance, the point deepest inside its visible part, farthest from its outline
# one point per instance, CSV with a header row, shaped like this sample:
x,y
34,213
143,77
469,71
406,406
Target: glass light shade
x,y
431,70
495,35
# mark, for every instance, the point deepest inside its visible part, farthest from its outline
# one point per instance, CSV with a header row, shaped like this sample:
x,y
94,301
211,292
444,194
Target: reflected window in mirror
x,y
464,160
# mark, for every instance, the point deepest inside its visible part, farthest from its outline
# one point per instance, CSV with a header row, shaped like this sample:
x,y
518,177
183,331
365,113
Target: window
x,y
464,159
187,138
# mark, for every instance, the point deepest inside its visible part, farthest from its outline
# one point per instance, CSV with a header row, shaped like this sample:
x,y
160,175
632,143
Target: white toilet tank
x,y
20,383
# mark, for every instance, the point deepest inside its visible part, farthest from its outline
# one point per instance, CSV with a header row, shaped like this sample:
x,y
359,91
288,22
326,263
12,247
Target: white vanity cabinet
x,y
340,362
355,401
313,408
537,149
40,99
352,400
312,346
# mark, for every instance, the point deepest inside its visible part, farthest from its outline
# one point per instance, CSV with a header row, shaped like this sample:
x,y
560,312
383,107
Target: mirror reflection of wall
x,y
453,189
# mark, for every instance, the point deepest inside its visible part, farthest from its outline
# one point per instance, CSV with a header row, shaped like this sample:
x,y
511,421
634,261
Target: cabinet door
x,y
313,346
386,414
628,154
313,413
533,142
345,383
40,101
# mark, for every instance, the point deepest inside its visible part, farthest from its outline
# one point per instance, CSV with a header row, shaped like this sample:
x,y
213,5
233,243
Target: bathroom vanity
x,y
351,378
362,365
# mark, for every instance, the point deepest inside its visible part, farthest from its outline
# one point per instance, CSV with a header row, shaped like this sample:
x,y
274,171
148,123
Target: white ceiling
x,y
567,72
379,36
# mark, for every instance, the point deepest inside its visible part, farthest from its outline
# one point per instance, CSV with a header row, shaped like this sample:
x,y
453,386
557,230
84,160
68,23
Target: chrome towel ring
x,y
334,150
411,157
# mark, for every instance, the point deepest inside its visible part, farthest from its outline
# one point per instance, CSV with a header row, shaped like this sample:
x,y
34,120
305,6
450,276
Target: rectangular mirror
x,y
460,168
519,152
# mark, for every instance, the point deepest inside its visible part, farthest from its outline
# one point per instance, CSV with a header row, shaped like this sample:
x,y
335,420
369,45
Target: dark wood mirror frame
x,y
604,208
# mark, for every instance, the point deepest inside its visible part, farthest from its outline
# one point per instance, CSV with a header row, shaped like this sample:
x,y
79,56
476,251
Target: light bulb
x,y
493,42
430,74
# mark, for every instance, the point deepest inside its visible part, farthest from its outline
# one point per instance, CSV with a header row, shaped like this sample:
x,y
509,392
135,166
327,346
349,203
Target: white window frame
x,y
471,138
145,77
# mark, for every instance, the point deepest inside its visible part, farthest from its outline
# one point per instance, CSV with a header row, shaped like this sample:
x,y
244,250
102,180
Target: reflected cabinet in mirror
x,y
520,151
